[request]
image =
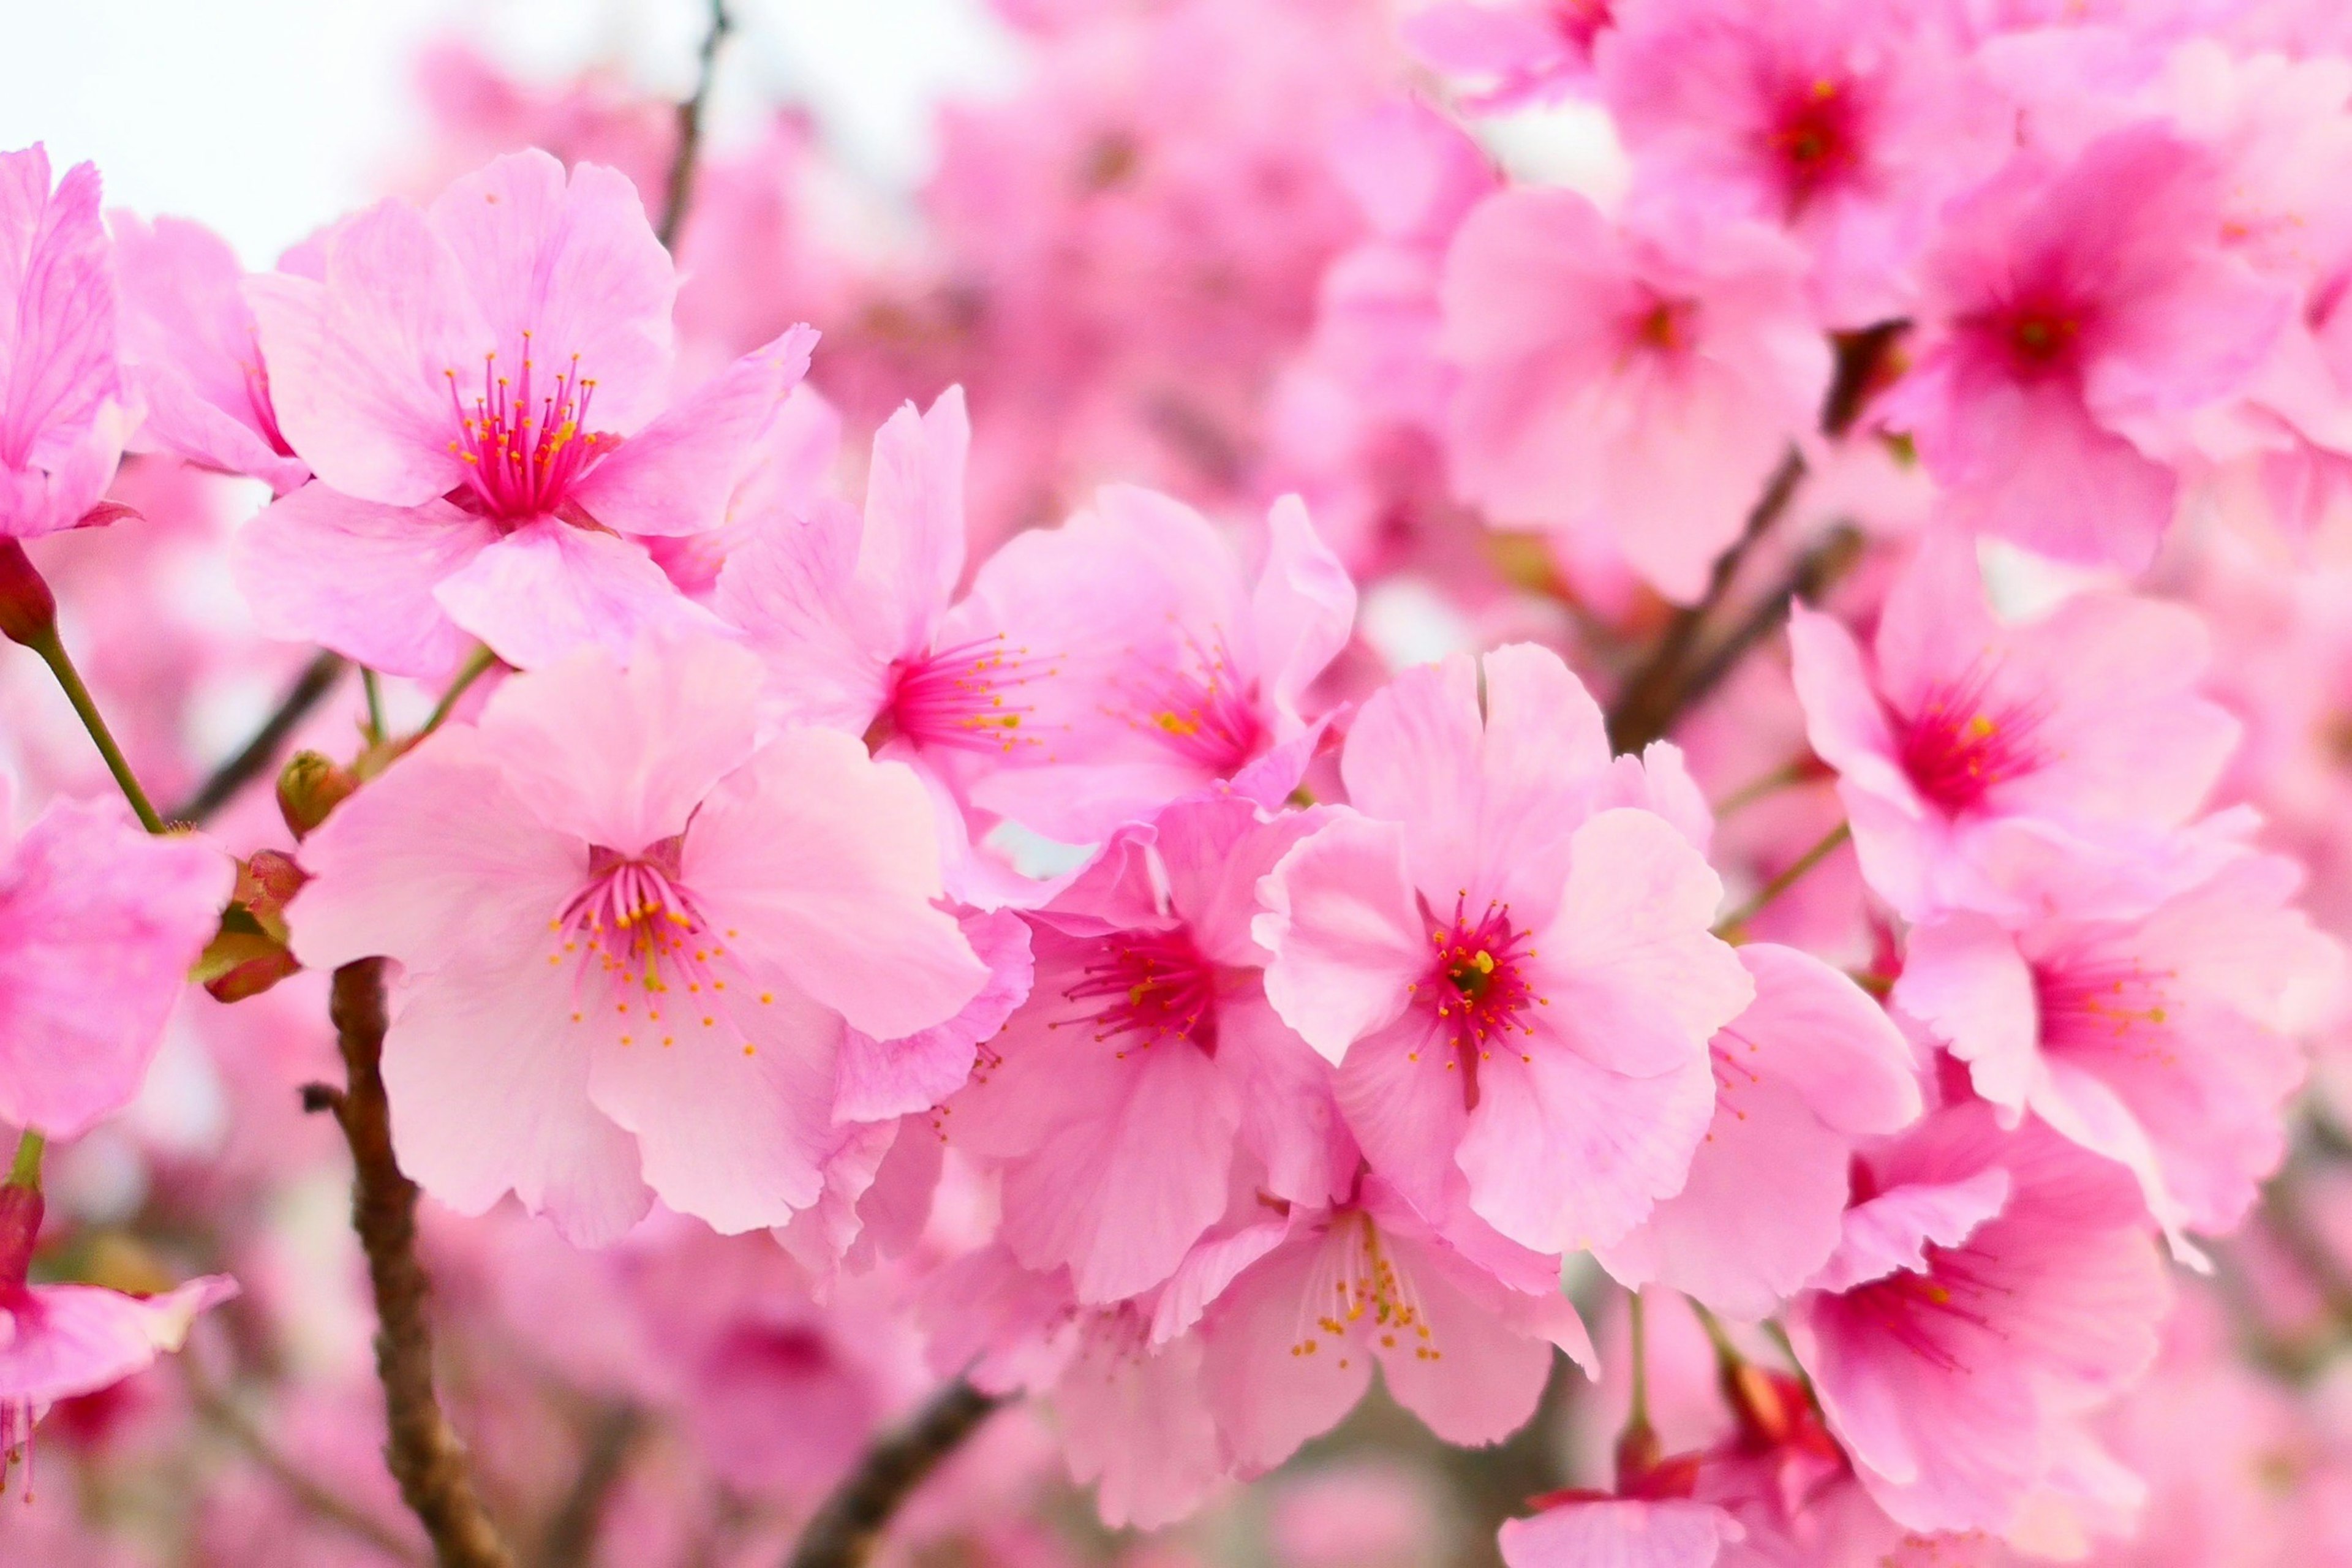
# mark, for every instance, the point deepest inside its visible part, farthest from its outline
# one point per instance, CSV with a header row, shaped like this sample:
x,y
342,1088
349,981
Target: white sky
x,y
264,118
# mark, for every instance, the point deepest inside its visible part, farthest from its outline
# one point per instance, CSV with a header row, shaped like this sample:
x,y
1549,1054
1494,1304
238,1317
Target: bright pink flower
x,y
2076,315
631,936
1966,746
482,387
63,420
59,1340
193,349
1148,1060
1094,672
1812,1067
98,924
1846,122
2162,1041
1507,954
1595,359
1620,1532
1991,1287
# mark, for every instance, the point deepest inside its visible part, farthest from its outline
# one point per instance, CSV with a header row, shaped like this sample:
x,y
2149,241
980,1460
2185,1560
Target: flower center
x,y
638,939
1925,1313
2110,1006
1667,326
1358,1298
1475,990
2041,336
1814,139
1151,986
1961,744
524,442
966,696
1197,707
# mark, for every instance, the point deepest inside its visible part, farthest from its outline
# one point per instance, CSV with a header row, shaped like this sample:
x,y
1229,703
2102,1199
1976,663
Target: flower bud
x,y
311,785
28,611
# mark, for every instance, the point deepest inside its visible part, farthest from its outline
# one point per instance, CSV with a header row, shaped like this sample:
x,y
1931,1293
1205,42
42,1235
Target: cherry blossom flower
x,y
482,388
663,924
1513,970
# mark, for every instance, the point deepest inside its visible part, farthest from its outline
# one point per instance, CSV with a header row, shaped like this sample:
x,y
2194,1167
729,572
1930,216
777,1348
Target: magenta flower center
x,y
525,441
1814,139
1475,992
646,954
965,697
1358,1299
1962,742
1926,1313
1664,327
2106,1006
1198,708
1149,986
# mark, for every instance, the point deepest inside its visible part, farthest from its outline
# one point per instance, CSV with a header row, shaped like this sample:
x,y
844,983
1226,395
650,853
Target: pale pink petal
x,y
731,1118
620,755
1290,1115
1135,1424
1269,1393
359,576
436,859
80,1339
98,924
1815,1029
1402,1095
1964,978
789,589
1892,1231
674,477
911,554
900,1078
1471,1378
1341,924
828,863
573,263
1304,609
1635,917
61,425
1608,1533
549,589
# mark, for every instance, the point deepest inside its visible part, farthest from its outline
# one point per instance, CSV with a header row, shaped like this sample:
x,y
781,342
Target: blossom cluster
x,y
1690,819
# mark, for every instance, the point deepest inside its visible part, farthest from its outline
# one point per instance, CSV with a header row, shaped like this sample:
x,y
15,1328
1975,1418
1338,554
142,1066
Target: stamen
x,y
523,455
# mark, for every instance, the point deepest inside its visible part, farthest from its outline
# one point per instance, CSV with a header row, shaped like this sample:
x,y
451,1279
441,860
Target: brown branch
x,y
1832,558
690,128
423,1454
571,1529
310,688
849,1526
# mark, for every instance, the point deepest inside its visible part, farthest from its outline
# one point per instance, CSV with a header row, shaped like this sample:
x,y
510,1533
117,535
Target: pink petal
x,y
80,1339
911,554
900,1078
60,426
1964,978
1813,1029
1304,609
1342,925
674,475
549,589
1606,1534
360,577
789,589
1892,1231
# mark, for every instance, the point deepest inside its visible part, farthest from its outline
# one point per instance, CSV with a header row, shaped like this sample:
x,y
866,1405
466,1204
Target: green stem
x,y
52,650
476,666
1637,1320
374,690
1734,922
1795,771
26,1170
1727,1354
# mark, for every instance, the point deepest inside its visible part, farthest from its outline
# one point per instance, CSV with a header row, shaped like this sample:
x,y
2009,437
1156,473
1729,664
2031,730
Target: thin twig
x,y
1735,922
571,1531
477,665
690,128
52,649
310,688
849,1526
424,1455
354,1521
1830,559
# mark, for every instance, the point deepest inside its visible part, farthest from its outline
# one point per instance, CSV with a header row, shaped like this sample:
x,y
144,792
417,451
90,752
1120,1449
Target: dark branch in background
x,y
1672,677
423,1454
310,688
570,1536
849,1526
689,128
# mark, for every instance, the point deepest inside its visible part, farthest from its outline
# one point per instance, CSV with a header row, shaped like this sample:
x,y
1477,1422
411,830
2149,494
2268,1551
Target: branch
x,y
424,1455
689,128
310,688
849,1526
1814,571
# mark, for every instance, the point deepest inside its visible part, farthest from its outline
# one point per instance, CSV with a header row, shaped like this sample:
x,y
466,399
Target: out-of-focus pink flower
x,y
1990,1286
2076,314
630,937
1965,747
98,924
482,388
59,1340
1594,358
1507,954
64,417
193,349
2164,1042
1811,1068
1623,1532
1846,122
1147,1074
1529,50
